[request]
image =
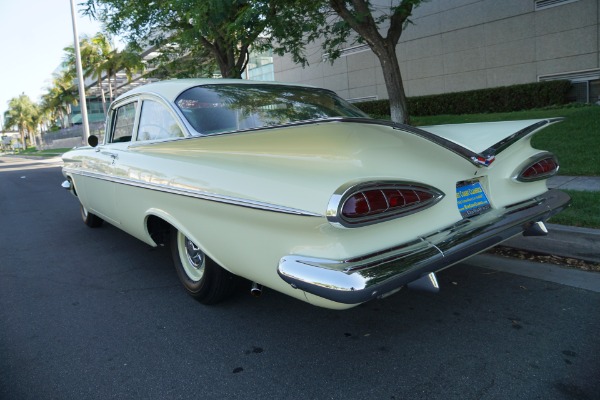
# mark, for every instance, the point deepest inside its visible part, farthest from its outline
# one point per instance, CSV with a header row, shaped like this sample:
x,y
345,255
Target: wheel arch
x,y
69,184
158,223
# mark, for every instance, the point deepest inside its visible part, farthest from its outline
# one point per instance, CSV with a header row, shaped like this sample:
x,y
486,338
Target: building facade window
x,y
585,85
543,4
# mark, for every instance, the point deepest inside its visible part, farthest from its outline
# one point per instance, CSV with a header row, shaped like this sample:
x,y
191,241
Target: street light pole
x,y
82,102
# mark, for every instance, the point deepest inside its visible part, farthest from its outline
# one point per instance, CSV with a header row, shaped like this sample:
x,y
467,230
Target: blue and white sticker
x,y
471,199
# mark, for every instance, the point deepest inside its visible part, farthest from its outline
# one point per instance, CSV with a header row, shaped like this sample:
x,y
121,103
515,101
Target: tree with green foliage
x,y
342,23
101,60
57,101
188,31
126,60
94,53
23,114
366,20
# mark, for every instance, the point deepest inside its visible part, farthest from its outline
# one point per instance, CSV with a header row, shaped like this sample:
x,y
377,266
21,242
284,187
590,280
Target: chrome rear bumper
x,y
374,275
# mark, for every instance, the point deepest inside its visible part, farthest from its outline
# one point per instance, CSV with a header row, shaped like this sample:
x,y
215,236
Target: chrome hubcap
x,y
192,258
194,254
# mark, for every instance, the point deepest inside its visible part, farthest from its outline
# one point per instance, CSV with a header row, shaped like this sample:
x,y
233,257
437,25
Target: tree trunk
x,y
23,143
32,138
110,91
359,17
102,96
230,65
393,82
228,68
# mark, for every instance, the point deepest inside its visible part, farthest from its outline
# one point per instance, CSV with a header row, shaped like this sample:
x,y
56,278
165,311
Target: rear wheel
x,y
91,220
202,278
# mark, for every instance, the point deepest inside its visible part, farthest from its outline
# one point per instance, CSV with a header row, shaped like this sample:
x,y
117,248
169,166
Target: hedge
x,y
500,99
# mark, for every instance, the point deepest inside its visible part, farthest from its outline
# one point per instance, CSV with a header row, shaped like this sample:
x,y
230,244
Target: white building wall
x,y
457,45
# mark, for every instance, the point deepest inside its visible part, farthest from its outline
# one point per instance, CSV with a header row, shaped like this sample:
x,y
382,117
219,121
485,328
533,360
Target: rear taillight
x,y
539,167
375,202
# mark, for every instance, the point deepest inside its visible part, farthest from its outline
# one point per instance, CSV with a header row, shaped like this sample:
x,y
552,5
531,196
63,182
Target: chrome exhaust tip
x,y
256,289
426,283
535,229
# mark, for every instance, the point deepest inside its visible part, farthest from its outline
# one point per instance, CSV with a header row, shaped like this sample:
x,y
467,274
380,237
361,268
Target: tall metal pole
x,y
82,102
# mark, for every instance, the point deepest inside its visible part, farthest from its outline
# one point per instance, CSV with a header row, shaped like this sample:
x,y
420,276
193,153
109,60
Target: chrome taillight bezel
x,y
345,192
532,161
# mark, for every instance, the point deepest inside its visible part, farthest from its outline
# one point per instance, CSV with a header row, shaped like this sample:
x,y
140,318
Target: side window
x,y
156,122
123,123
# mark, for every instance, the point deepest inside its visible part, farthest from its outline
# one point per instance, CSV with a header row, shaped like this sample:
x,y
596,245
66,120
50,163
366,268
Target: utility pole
x,y
84,116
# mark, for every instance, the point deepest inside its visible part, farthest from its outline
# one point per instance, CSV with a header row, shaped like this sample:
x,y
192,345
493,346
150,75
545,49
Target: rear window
x,y
214,109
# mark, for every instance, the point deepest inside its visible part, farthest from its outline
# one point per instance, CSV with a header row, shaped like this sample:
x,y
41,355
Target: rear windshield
x,y
214,109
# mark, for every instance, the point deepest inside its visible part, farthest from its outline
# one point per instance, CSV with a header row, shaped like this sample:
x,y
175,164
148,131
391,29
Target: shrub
x,y
500,99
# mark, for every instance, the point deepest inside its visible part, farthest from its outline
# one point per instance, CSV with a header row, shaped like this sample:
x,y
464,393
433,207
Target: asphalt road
x,y
95,314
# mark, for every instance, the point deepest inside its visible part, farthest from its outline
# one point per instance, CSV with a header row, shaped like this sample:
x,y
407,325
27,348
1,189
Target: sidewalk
x,y
562,240
586,183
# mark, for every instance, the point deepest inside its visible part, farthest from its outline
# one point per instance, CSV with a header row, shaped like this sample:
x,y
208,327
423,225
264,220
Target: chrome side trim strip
x,y
198,194
467,154
457,149
515,137
484,159
377,274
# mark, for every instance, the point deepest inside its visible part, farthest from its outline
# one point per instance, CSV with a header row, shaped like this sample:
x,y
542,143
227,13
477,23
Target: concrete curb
x,y
547,272
564,241
581,183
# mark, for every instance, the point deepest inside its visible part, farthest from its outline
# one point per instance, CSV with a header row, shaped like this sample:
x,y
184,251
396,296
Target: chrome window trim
x,y
112,114
254,84
187,128
517,175
198,194
164,103
336,202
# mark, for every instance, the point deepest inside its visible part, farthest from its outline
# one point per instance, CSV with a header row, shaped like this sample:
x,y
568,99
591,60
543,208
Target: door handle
x,y
114,156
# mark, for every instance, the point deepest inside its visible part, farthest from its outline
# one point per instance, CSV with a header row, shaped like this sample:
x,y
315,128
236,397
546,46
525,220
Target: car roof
x,y
170,89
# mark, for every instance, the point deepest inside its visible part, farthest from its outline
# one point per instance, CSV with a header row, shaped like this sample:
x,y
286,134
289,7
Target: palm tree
x,y
101,60
125,60
34,124
60,96
22,113
94,53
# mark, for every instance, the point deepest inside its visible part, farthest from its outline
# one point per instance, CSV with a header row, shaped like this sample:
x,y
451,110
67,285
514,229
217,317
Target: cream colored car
x,y
293,188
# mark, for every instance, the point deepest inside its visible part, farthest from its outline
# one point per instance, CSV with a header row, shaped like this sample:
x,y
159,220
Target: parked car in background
x,y
293,188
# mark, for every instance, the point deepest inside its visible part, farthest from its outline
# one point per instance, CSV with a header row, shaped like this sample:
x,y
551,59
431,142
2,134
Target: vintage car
x,y
293,188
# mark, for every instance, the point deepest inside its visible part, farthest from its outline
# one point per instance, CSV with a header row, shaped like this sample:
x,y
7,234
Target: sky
x,y
33,34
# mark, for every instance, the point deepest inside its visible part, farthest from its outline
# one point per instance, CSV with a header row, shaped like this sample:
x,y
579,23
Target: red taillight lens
x,y
540,168
356,205
370,205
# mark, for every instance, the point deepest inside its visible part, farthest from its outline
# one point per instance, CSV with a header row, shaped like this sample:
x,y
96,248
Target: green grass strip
x,y
583,212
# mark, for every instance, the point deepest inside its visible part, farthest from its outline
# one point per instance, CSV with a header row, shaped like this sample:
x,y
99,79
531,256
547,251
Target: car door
x,y
100,192
139,170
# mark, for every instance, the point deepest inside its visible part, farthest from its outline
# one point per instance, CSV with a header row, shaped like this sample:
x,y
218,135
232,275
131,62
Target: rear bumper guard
x,y
377,274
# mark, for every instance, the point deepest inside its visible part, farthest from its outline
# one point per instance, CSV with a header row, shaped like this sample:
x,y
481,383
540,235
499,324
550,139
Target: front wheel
x,y
202,278
91,220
